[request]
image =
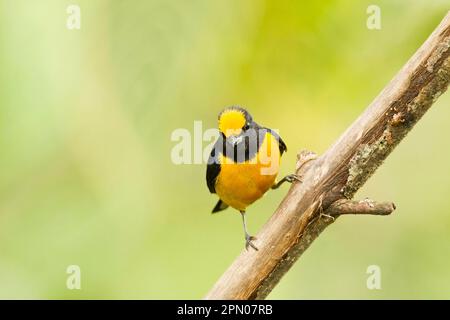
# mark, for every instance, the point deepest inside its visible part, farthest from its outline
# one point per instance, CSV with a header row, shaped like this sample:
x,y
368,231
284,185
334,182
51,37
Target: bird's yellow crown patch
x,y
231,122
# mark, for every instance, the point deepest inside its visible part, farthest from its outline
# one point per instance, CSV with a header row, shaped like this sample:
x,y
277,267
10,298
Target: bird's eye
x,y
246,127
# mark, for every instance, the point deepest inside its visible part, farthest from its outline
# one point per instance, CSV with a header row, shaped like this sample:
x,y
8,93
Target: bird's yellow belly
x,y
241,184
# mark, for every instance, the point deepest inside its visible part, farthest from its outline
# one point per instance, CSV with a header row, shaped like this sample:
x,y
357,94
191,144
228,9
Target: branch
x,y
306,210
366,206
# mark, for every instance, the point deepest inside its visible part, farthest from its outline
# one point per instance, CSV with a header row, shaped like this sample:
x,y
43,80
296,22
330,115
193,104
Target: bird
x,y
244,163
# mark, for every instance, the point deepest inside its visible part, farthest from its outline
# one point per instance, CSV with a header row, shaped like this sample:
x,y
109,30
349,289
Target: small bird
x,y
244,163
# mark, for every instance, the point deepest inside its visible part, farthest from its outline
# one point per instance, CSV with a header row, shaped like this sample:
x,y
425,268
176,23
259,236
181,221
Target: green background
x,y
86,117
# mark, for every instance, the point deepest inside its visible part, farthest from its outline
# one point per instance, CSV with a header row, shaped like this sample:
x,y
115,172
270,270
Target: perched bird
x,y
244,163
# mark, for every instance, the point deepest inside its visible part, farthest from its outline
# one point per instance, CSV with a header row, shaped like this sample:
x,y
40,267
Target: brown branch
x,y
340,172
367,206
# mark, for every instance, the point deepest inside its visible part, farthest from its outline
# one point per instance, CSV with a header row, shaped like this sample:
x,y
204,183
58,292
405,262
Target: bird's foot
x,y
289,178
248,242
293,178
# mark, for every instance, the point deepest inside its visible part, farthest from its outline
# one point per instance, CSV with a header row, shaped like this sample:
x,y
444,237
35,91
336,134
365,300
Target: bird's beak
x,y
235,139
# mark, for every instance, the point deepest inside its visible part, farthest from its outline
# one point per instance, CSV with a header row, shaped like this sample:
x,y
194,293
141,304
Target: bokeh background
x,y
86,117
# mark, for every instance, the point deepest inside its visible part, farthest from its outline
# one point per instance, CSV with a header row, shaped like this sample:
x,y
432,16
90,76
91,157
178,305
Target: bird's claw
x,y
248,242
294,177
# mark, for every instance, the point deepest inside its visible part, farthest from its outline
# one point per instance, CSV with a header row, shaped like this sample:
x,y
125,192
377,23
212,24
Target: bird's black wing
x,y
281,143
213,166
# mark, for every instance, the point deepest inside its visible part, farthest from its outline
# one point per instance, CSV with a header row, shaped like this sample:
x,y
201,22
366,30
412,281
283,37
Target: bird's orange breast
x,y
241,184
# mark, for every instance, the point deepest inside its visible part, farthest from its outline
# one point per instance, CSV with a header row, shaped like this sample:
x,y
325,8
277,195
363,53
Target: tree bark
x,y
333,178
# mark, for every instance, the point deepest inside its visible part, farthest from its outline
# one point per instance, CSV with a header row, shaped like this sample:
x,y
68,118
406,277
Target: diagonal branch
x,y
340,172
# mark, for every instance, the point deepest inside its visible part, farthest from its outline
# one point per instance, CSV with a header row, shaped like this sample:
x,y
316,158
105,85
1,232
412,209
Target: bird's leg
x,y
248,238
289,178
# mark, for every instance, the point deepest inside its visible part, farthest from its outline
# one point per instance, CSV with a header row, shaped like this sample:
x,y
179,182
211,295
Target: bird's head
x,y
234,121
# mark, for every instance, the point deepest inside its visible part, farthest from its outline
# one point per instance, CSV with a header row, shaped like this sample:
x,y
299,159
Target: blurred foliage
x,y
86,118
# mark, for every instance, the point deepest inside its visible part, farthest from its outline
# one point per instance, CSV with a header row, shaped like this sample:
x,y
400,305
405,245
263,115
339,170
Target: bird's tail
x,y
220,206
